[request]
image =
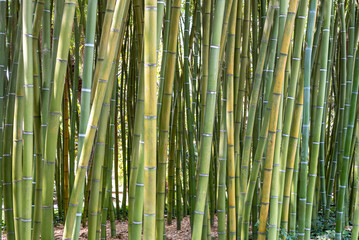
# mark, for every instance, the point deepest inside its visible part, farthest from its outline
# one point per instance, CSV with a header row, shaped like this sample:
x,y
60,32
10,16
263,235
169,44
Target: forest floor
x,y
122,230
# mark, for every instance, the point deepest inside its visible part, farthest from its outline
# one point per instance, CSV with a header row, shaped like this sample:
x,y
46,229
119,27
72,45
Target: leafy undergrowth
x,y
321,229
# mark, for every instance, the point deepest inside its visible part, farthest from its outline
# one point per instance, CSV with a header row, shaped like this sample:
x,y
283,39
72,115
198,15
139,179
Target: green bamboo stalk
x,y
184,162
106,24
254,10
290,106
114,38
171,166
179,143
17,149
252,109
165,116
221,207
108,204
112,216
355,229
294,194
251,115
345,89
8,135
244,64
318,26
224,34
190,112
73,106
292,154
65,133
107,175
205,42
86,90
3,79
274,192
229,111
314,153
207,130
136,145
150,115
46,70
164,56
160,13
54,118
344,174
306,116
138,214
94,210
123,144
277,95
36,195
38,140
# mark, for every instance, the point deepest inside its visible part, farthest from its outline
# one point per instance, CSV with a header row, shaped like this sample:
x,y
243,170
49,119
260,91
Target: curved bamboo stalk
x,y
54,117
289,108
8,135
117,26
244,161
207,130
277,95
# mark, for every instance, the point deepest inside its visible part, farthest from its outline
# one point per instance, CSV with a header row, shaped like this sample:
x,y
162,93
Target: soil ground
x,y
122,230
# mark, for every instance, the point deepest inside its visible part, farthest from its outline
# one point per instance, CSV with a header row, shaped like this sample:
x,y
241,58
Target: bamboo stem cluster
x,y
238,112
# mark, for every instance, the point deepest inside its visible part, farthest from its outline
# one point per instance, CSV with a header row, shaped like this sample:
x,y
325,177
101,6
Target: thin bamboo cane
x,y
17,149
74,109
355,229
3,79
171,166
179,142
164,57
66,145
221,207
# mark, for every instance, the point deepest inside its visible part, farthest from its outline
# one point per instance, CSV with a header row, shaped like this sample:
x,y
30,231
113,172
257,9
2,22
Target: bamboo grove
x,y
239,115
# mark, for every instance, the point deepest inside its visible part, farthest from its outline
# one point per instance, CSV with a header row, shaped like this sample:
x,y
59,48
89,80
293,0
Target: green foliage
x,y
325,229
